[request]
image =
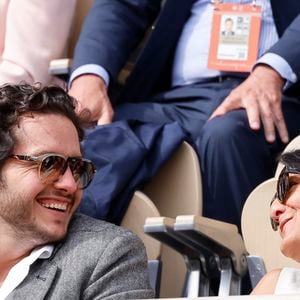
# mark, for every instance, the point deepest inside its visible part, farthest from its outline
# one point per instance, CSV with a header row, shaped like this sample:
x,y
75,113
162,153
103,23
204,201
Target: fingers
x,y
93,102
218,112
280,124
269,101
230,103
253,112
107,113
270,113
268,121
265,109
104,119
283,132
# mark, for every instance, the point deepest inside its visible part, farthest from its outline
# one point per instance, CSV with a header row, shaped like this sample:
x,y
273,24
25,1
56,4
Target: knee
x,y
225,130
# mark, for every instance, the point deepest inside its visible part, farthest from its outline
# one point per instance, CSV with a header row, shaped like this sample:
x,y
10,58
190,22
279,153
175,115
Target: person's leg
x,y
190,106
234,160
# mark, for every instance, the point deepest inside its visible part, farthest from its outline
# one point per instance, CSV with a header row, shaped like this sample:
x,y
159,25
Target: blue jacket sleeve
x,y
112,30
288,46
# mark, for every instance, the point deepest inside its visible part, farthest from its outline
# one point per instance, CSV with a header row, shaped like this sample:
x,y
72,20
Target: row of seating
x,y
203,244
176,190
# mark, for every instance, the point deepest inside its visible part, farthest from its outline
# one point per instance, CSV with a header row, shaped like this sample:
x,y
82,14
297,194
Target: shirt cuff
x,y
90,69
280,65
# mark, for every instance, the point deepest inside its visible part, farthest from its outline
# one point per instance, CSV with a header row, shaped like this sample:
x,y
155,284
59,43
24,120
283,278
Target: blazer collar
x,y
37,283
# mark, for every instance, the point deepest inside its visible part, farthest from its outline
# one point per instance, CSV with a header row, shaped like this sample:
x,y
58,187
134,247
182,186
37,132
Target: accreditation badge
x,y
234,37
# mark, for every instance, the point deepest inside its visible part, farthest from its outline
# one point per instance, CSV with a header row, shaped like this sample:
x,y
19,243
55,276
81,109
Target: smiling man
x,y
47,251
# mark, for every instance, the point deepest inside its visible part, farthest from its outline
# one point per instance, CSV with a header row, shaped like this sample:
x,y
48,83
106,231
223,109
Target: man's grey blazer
x,y
97,260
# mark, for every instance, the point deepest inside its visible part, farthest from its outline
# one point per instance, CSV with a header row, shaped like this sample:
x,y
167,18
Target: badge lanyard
x,y
235,36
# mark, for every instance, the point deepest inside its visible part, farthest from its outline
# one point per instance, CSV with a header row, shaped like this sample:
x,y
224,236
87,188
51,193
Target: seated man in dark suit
x,y
48,251
238,121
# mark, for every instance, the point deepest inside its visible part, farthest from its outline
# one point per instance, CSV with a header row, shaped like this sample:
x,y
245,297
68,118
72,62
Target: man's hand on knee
x,y
260,95
91,94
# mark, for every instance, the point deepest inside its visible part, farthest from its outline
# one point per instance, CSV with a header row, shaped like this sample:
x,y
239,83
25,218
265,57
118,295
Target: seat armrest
x,y
196,259
257,269
162,229
154,268
61,68
223,238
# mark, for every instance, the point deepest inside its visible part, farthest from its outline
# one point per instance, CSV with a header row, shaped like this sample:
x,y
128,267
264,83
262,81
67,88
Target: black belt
x,y
222,78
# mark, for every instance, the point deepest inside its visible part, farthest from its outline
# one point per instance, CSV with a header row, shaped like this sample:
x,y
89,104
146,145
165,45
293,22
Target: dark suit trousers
x,y
234,159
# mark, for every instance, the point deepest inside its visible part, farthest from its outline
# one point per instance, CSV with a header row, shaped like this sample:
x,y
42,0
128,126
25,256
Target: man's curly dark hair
x,y
19,99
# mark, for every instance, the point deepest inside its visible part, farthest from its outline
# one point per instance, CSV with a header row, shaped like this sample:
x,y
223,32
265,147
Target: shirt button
x,y
294,77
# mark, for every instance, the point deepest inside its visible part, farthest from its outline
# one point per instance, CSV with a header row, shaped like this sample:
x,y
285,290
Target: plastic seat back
x,y
140,208
176,190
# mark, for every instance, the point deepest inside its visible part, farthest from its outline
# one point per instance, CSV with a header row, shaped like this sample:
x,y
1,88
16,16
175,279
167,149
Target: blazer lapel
x,y
38,282
284,12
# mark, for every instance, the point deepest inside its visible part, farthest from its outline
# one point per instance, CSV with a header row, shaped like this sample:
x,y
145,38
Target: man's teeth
x,y
61,206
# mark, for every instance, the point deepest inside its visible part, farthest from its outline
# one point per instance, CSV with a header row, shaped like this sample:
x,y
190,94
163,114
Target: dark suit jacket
x,y
113,29
97,260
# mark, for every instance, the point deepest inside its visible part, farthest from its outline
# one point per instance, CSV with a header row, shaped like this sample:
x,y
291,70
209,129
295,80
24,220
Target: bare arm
x,y
260,95
35,33
267,284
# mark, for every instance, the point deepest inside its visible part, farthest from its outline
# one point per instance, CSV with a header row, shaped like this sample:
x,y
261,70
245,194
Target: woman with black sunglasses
x,y
285,217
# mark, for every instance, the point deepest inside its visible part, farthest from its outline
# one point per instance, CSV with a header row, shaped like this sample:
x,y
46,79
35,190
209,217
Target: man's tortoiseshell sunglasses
x,y
52,166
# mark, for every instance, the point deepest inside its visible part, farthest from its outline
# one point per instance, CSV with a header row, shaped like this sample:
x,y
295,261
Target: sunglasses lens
x,y
283,186
274,224
82,170
52,167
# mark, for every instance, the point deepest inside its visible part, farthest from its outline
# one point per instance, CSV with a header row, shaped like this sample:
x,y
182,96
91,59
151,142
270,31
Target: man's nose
x,y
67,182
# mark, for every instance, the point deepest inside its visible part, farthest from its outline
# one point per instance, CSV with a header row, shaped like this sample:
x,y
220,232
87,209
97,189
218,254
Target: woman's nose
x,y
276,210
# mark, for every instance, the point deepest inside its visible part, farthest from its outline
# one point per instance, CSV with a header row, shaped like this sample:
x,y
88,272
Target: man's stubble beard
x,y
16,213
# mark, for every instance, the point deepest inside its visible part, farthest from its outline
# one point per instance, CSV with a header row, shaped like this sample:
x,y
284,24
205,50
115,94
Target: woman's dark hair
x,y
291,158
19,99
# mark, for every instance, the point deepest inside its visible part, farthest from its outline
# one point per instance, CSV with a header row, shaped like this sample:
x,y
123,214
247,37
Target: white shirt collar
x,y
19,271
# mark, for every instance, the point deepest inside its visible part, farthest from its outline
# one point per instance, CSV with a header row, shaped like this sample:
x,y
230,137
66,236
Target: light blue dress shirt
x,y
190,63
